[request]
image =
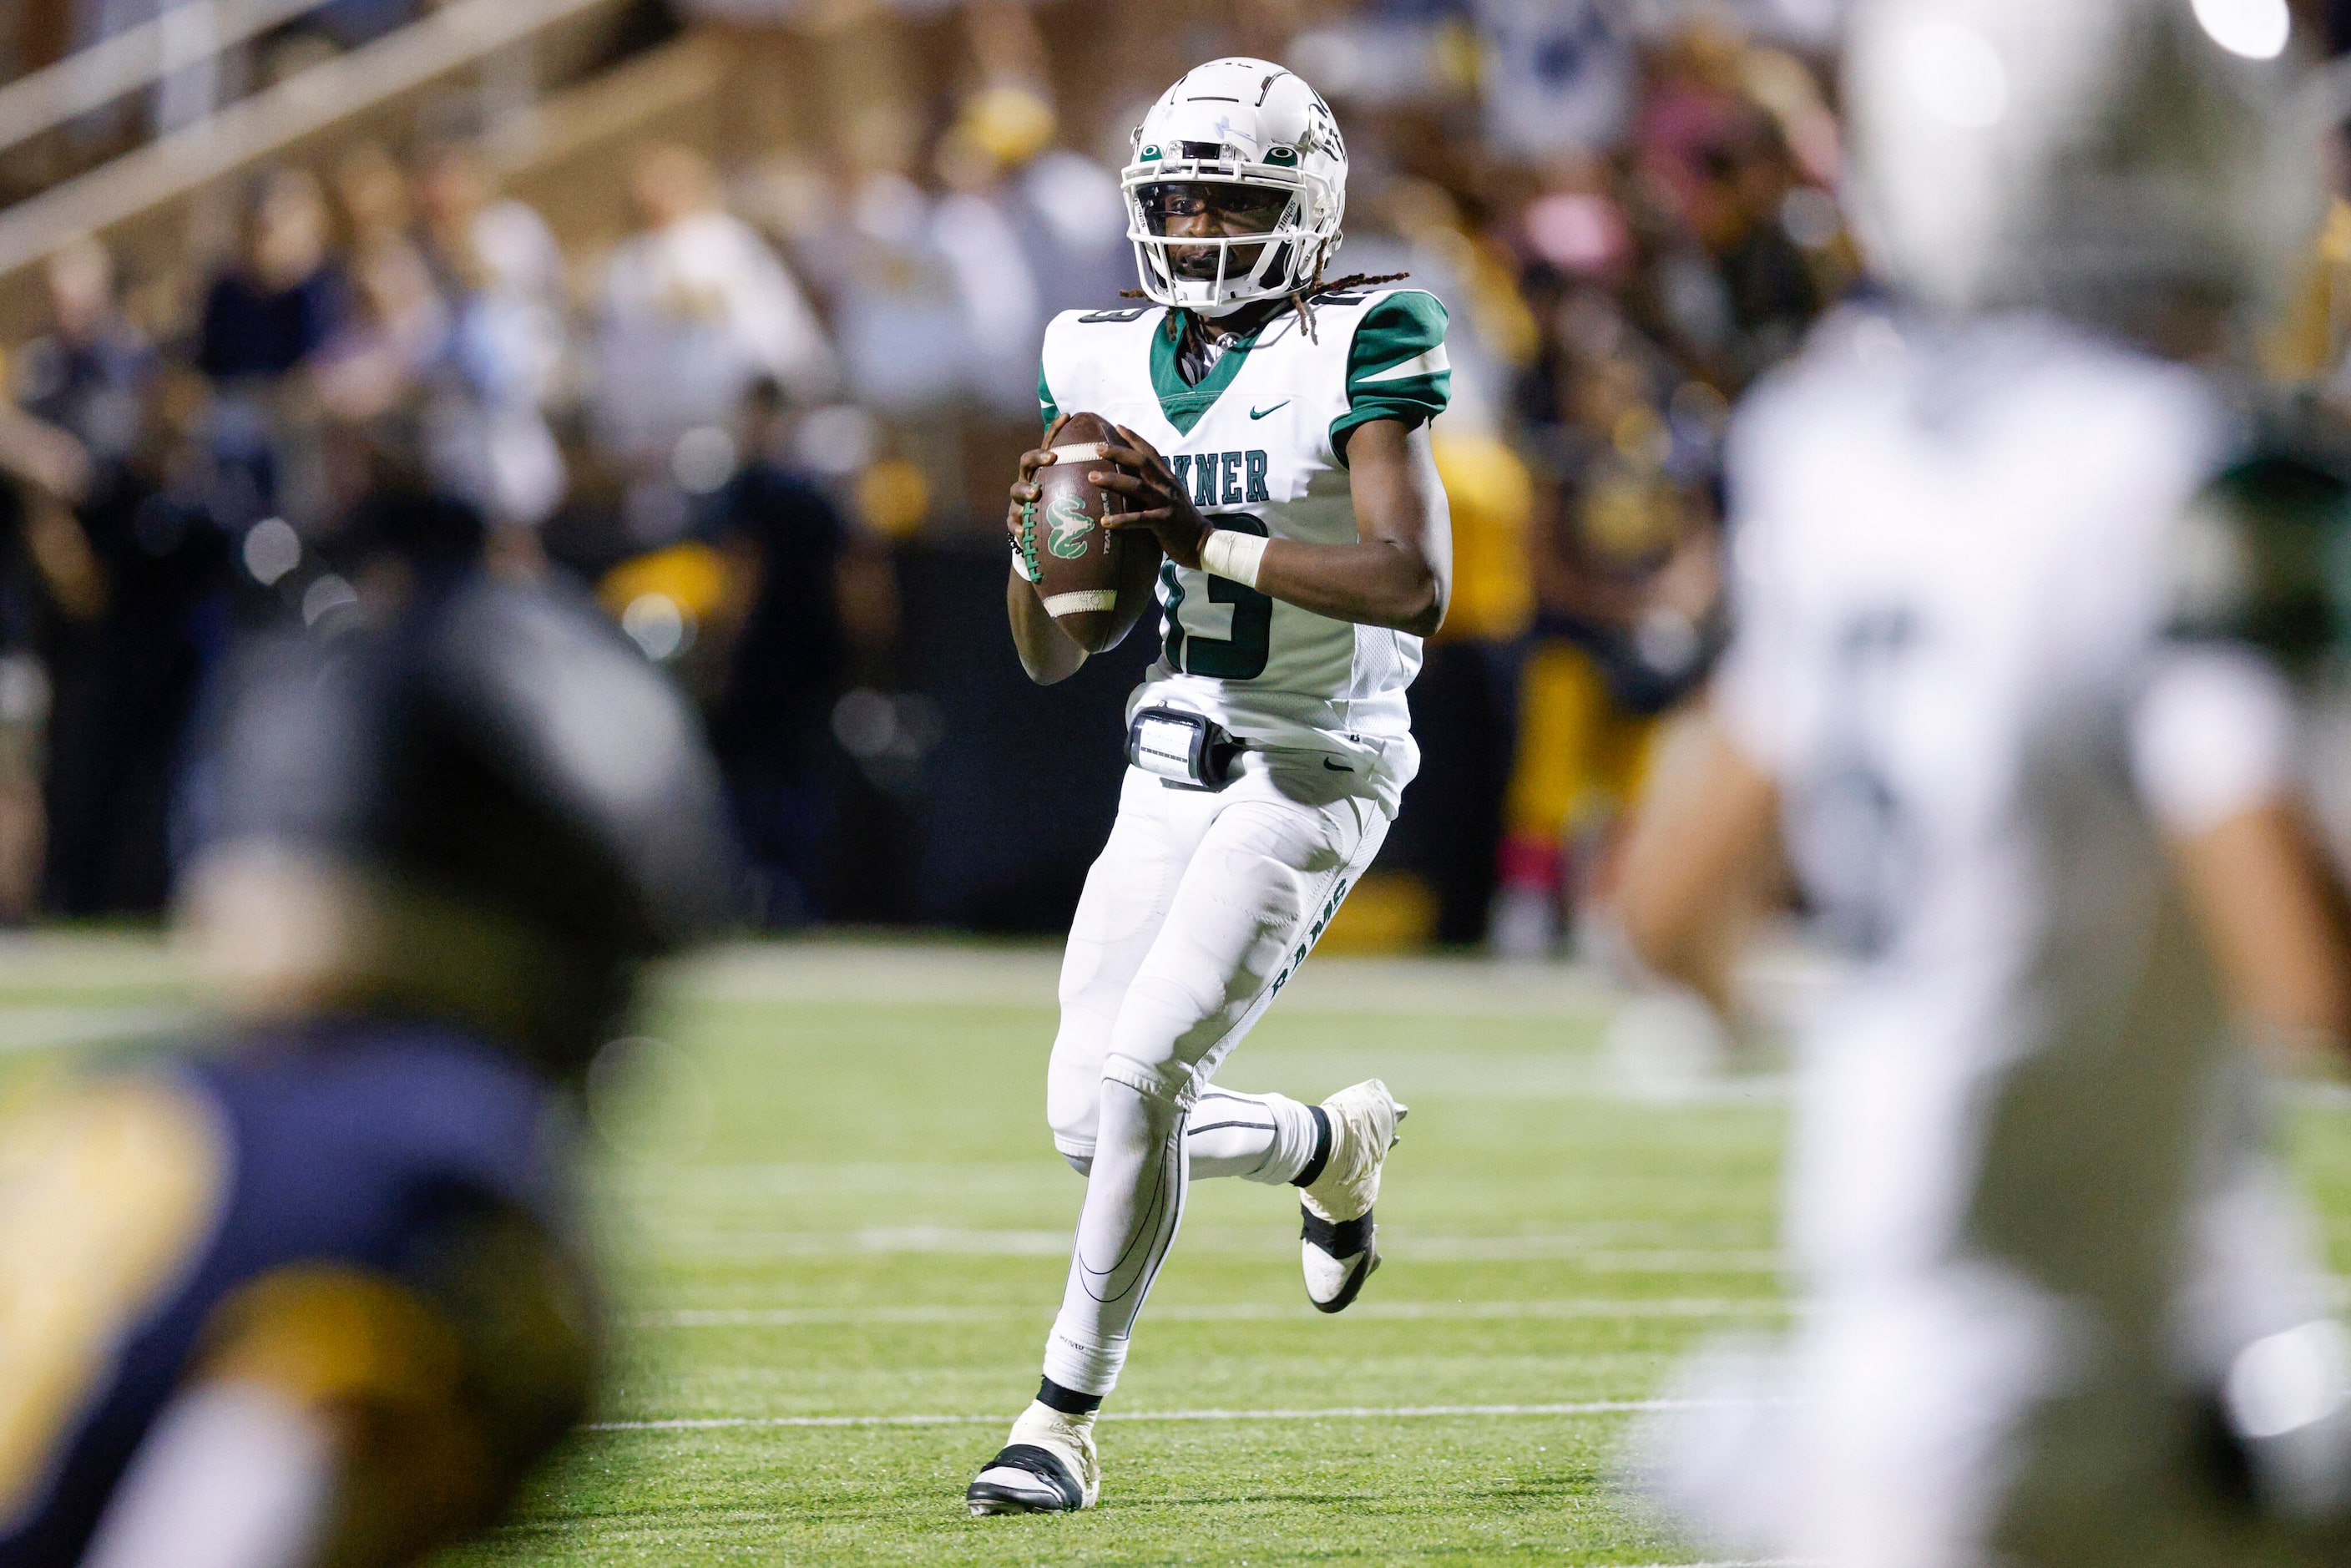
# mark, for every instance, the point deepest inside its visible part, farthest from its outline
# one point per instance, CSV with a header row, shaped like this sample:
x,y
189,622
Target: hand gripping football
x,y
1093,581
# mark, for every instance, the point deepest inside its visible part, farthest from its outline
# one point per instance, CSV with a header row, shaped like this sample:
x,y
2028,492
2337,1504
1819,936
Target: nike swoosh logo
x,y
1261,412
1336,767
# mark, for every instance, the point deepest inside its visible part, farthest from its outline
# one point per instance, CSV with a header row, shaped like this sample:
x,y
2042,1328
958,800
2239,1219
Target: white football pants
x,y
2025,1272
1198,910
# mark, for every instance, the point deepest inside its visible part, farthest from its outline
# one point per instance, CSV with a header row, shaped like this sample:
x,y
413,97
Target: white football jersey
x,y
1259,441
1951,576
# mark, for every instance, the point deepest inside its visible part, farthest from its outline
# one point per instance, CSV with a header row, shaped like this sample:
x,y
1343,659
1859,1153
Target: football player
x,y
1273,425
2062,1307
315,1295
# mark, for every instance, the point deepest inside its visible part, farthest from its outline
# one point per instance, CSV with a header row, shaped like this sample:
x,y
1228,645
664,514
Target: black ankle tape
x,y
1342,1238
1322,1149
1068,1401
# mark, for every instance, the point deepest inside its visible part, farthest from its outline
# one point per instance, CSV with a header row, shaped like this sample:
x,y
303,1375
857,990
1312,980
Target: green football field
x,y
837,1231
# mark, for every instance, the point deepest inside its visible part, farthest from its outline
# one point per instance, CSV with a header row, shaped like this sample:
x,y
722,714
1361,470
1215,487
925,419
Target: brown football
x,y
1094,581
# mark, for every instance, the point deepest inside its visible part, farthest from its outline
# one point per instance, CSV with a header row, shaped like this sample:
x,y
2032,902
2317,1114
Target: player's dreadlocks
x,y
1303,298
1299,299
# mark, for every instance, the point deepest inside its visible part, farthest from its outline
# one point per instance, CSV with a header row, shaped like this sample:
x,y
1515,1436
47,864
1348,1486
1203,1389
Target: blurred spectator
x,y
1465,700
87,375
1722,282
397,325
401,536
1024,234
801,591
895,296
1027,233
692,310
1074,222
1745,180
79,387
1559,77
463,328
1628,580
128,682
266,315
481,239
374,198
45,566
24,727
978,227
283,297
500,274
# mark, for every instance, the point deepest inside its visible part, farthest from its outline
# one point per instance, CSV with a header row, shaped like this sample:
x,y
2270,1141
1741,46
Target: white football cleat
x,y
1047,1466
1340,1248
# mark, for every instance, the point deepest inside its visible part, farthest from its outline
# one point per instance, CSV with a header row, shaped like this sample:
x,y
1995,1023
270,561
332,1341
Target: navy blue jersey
x,y
350,1150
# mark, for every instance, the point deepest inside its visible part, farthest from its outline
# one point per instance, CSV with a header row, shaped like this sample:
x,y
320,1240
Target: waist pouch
x,y
1185,748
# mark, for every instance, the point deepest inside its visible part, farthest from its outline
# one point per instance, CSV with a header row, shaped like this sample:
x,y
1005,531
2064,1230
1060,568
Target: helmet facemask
x,y
1273,205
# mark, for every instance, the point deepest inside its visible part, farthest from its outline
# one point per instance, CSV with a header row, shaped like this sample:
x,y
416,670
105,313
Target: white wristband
x,y
1020,565
1228,553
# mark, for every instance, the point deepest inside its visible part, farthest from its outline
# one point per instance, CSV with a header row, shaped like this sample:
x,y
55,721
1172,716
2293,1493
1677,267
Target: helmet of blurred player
x,y
1240,145
490,808
2108,160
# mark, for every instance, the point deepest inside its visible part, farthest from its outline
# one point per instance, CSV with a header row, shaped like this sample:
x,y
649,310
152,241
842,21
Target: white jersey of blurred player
x,y
2029,1200
1210,893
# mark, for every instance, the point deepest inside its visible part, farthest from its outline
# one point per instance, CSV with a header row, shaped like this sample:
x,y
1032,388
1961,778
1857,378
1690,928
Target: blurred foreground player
x,y
312,1296
2061,1305
1271,742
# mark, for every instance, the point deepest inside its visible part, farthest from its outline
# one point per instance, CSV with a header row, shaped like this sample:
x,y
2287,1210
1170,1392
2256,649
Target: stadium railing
x,y
151,203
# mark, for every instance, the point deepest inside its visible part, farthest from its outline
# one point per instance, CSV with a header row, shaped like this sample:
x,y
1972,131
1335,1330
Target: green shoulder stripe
x,y
1397,367
1045,397
2263,557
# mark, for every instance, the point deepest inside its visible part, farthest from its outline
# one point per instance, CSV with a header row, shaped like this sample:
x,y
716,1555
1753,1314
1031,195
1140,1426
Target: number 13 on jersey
x,y
1226,632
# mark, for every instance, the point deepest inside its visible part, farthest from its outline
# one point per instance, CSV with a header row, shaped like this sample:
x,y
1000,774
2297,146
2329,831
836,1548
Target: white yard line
x,y
747,1181
1399,1244
1336,1413
918,971
43,1028
1237,1312
752,1180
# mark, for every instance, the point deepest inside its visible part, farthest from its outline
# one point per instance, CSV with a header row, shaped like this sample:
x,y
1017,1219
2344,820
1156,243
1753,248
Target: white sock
x,y
231,1475
1134,1200
1265,1138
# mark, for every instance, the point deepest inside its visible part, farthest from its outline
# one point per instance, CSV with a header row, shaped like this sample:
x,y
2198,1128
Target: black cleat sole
x,y
986,1498
1056,1491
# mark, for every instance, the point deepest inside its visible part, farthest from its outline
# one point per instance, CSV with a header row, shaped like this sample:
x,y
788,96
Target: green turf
x,y
865,1154
832,1195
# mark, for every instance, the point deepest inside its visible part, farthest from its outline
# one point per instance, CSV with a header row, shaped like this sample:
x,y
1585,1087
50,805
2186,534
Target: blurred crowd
x,y
815,356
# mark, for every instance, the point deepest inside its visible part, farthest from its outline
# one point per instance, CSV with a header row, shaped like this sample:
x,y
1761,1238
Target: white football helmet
x,y
2097,157
1265,145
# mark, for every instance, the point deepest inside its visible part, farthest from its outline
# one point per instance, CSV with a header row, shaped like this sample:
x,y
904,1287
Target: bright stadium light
x,y
1956,74
2257,29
